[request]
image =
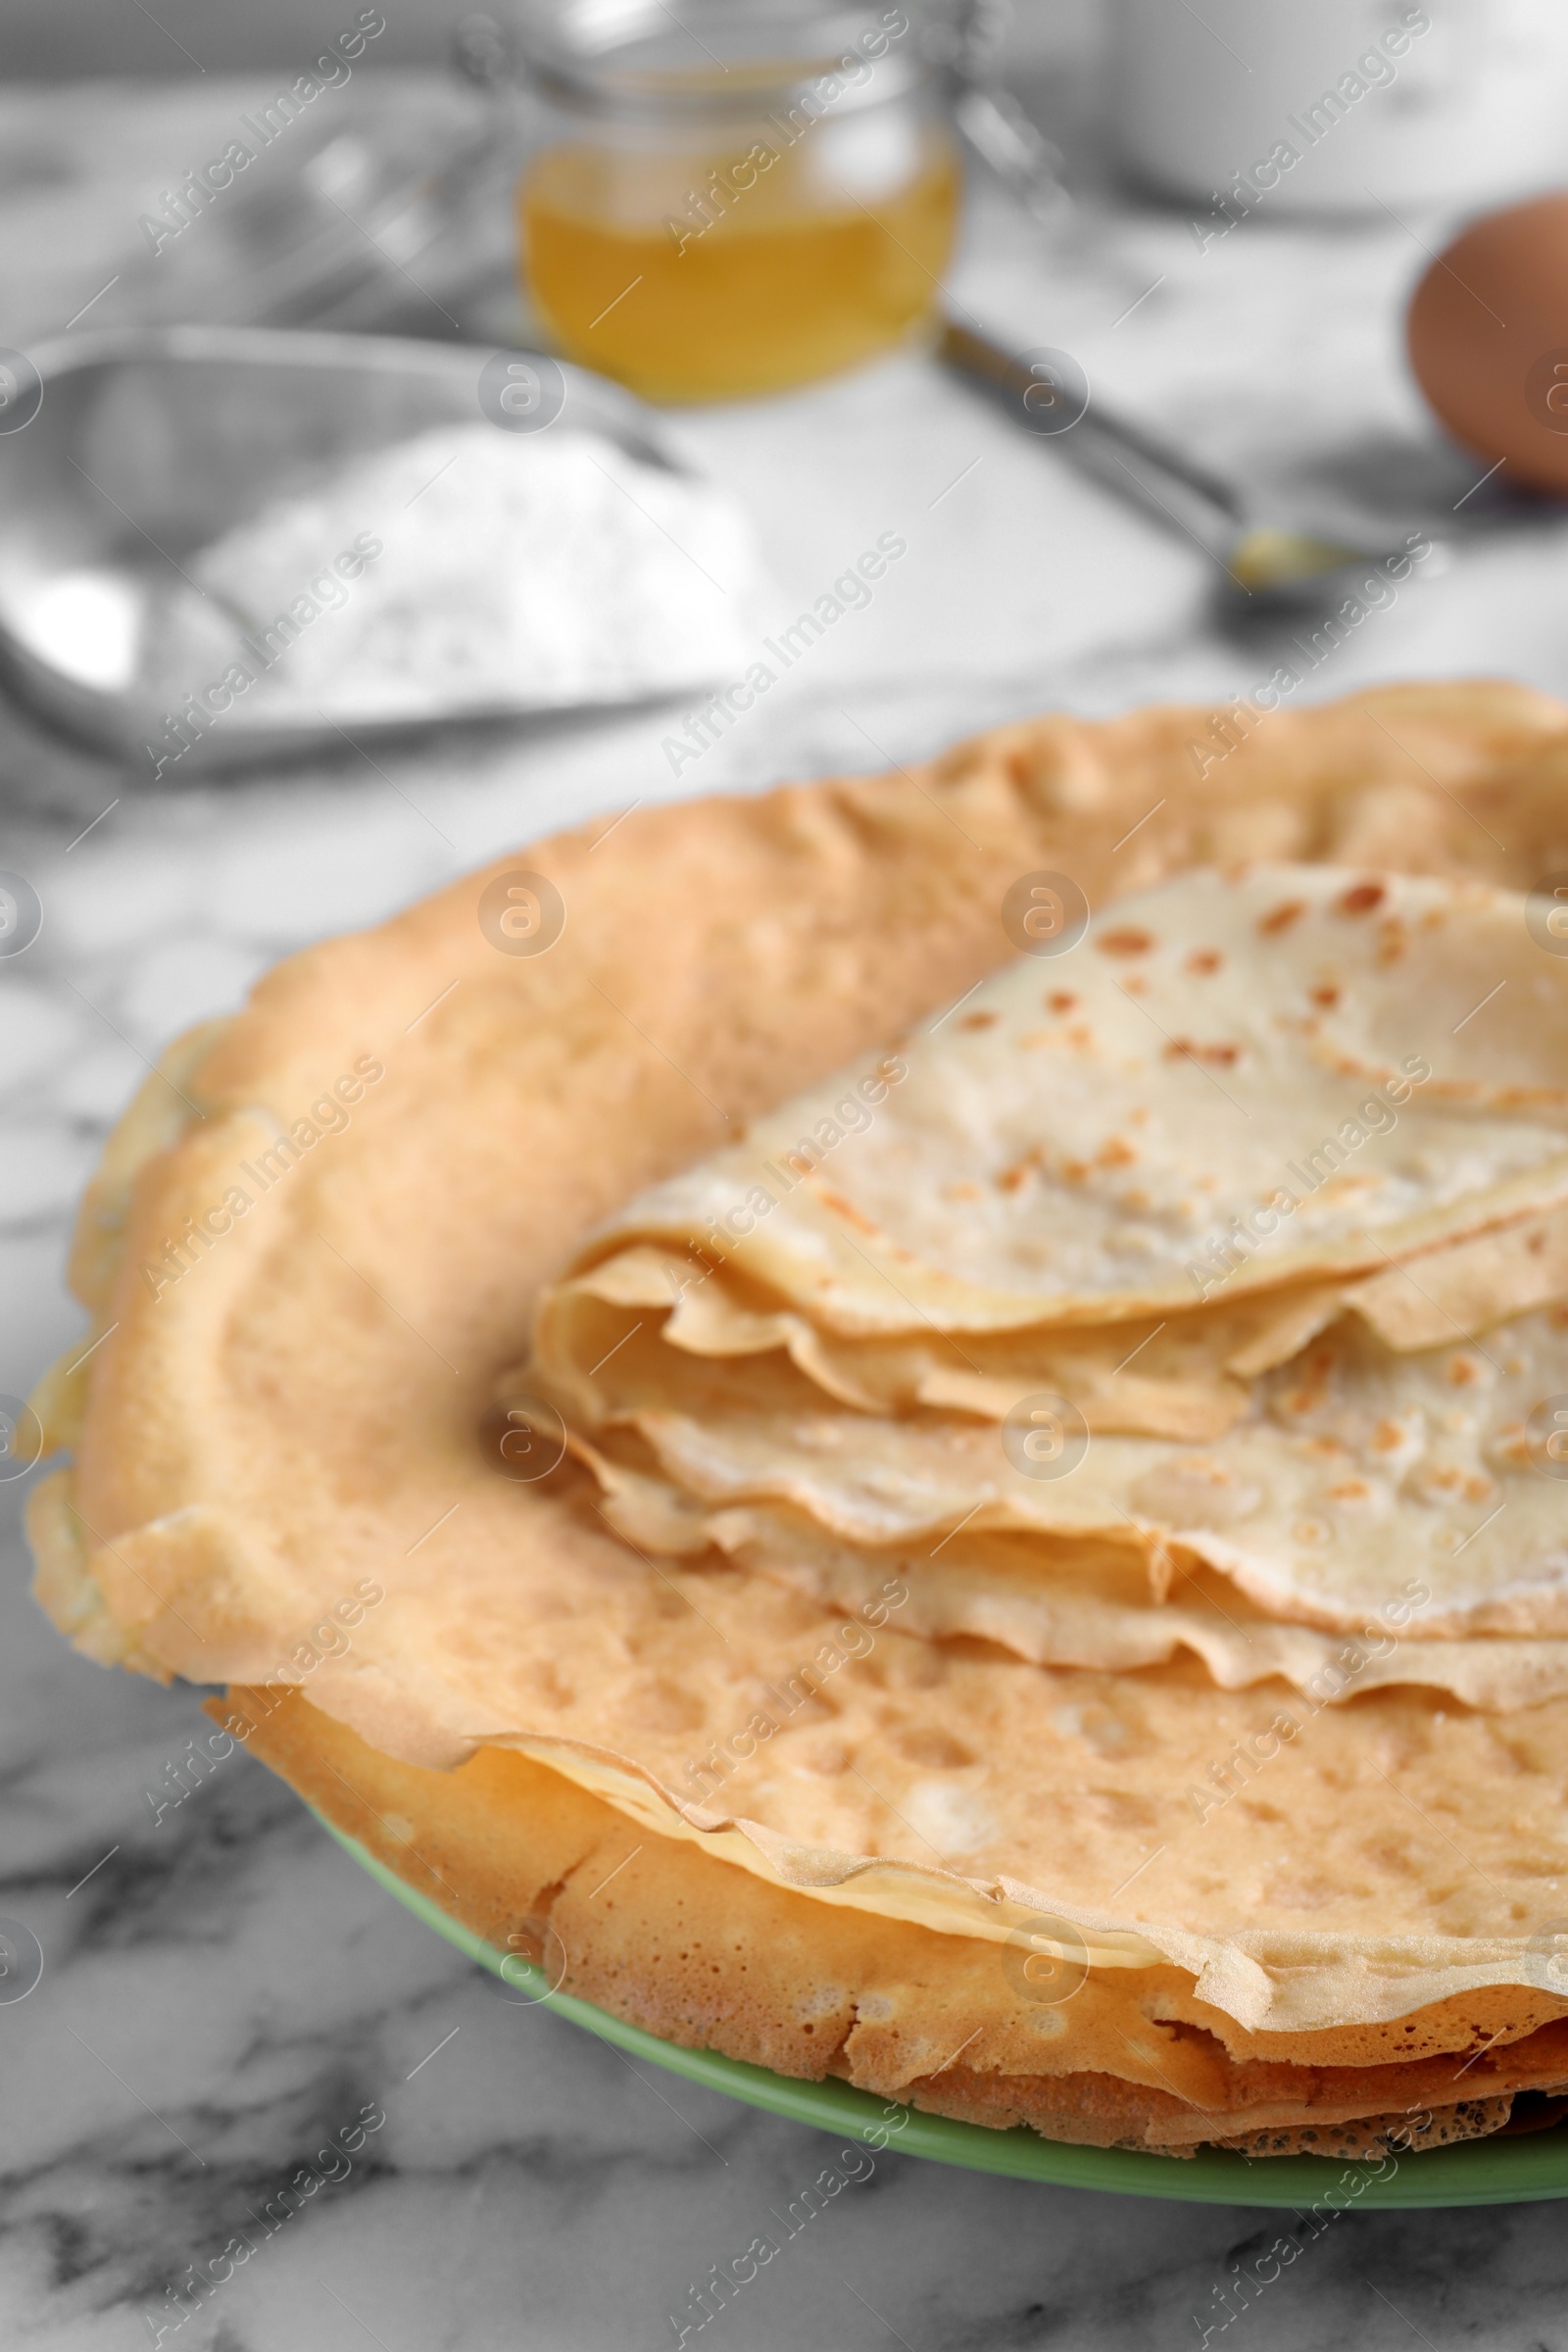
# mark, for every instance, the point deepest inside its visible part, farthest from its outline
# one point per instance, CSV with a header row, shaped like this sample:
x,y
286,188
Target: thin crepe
x,y
1241,1078
1182,1375
1095,1605
1355,1469
770,1976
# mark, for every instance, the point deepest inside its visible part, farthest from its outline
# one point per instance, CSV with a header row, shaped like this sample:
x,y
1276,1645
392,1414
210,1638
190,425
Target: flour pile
x,y
470,571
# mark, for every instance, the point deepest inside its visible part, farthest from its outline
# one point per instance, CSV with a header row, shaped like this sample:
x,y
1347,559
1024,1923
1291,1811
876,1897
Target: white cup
x,y
1319,106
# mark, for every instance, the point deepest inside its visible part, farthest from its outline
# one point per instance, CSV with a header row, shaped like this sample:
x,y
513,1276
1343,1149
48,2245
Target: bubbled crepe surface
x,y
300,1409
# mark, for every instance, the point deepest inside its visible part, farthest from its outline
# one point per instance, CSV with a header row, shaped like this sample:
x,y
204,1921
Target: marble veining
x,y
242,2056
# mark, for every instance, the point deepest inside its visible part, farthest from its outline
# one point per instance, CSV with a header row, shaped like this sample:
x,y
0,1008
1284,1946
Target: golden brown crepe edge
x,y
708,1956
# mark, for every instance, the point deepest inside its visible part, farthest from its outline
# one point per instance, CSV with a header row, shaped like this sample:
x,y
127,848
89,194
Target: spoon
x,y
1265,565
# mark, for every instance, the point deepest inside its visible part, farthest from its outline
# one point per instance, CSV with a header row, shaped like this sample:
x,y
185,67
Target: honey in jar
x,y
745,201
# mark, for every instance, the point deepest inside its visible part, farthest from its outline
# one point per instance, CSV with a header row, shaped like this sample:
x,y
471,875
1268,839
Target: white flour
x,y
511,571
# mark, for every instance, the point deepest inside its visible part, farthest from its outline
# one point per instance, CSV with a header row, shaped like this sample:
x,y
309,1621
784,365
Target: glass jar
x,y
735,197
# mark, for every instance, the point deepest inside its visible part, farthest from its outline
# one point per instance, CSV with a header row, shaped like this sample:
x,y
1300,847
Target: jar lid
x,y
639,58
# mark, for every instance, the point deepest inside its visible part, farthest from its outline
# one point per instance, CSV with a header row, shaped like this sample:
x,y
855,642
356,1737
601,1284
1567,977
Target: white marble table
x,y
223,1988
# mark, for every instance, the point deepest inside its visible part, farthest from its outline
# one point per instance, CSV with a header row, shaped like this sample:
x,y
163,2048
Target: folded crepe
x,y
1355,1470
1147,1903
1360,1439
1184,1374
1248,1076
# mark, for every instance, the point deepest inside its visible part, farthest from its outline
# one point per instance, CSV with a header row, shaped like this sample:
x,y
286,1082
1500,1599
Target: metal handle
x,y
1123,456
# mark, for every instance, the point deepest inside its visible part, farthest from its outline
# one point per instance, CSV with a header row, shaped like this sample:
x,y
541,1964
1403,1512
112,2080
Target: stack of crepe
x,y
1034,1577
1198,1291
1205,1289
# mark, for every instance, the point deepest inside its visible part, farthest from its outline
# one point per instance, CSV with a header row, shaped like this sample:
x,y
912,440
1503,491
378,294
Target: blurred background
x,y
46,43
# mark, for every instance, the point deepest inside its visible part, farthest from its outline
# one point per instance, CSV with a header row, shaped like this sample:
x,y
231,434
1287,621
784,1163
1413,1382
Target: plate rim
x,y
1528,2169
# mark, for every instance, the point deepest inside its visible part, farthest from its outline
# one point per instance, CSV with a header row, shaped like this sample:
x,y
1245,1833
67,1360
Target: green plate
x,y
1482,2171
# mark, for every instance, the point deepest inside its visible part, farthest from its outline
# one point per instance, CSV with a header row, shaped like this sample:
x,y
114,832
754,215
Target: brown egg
x,y
1488,338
